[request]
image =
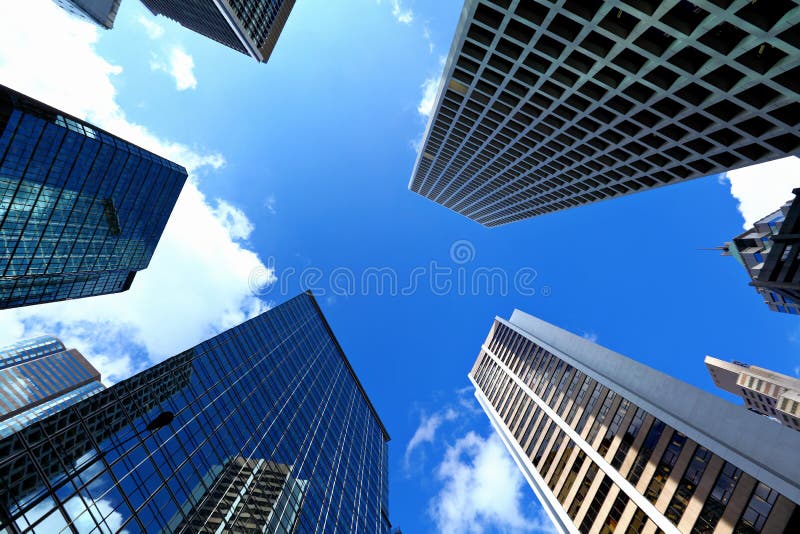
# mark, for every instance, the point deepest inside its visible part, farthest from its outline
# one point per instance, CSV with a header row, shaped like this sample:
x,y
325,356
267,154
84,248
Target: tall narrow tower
x,y
611,445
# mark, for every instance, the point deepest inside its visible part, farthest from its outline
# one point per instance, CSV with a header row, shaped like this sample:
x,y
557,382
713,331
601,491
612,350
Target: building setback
x,y
38,377
770,251
251,27
101,12
263,428
763,391
548,105
81,211
611,445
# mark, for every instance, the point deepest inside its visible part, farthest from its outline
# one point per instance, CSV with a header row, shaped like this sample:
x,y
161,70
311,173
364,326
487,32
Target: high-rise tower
x,y
611,445
251,27
262,428
81,211
545,105
38,377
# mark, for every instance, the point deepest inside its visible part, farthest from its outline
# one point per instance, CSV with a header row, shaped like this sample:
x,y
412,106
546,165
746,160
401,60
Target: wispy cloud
x,y
271,204
482,489
429,89
153,29
426,34
763,188
178,64
426,431
197,283
401,13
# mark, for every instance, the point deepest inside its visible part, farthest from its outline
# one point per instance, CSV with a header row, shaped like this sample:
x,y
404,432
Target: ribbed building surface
x,y
263,428
770,251
611,445
81,211
101,12
248,26
39,377
546,105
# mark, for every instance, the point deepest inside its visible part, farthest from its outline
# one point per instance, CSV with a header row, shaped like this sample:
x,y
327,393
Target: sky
x,y
298,180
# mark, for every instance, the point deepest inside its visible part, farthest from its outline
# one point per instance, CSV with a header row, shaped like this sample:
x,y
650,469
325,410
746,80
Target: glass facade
x,y
38,377
81,211
263,428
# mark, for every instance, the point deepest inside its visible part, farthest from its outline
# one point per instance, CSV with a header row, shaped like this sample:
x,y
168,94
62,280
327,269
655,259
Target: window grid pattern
x,y
542,439
81,211
264,424
548,105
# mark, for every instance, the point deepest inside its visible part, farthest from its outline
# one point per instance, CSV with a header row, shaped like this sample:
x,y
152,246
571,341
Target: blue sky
x,y
299,172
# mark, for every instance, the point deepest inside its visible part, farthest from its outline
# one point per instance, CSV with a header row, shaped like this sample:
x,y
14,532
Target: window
x,y
757,511
688,485
664,467
718,499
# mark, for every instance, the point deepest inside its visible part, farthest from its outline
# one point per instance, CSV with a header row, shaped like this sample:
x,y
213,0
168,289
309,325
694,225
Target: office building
x,y
611,445
764,392
38,377
548,105
770,251
262,428
251,27
81,211
101,12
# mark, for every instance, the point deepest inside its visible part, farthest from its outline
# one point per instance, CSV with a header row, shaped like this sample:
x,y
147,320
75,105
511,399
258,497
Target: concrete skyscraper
x,y
546,105
262,428
611,445
101,12
38,377
251,27
81,211
763,391
770,251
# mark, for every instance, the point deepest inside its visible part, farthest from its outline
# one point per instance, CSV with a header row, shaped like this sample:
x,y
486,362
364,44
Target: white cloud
x,y
426,431
401,13
763,188
591,336
197,282
482,489
429,89
271,204
153,29
180,66
426,34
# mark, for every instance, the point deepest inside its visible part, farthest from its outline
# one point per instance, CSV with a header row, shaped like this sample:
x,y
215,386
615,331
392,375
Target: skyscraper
x,y
770,251
548,105
81,211
251,27
101,12
611,445
763,391
38,377
263,428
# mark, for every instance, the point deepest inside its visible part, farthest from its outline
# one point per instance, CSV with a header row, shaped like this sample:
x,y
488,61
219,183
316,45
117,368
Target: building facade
x,y
263,428
547,105
611,445
81,211
764,392
251,27
770,251
101,12
39,377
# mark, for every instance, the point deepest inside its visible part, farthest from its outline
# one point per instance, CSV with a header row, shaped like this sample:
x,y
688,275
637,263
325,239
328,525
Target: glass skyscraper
x,y
263,428
38,377
81,211
251,27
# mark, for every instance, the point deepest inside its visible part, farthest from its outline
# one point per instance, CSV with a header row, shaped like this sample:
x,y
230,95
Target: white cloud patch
x,y
482,489
197,283
179,65
152,29
271,204
763,188
401,13
426,431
